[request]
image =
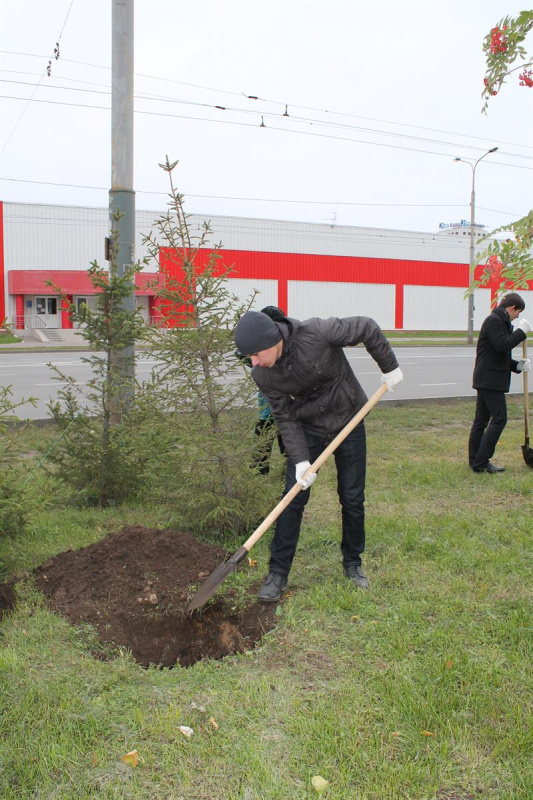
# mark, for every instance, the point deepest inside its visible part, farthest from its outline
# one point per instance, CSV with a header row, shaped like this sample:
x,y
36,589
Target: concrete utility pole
x,y
122,196
471,268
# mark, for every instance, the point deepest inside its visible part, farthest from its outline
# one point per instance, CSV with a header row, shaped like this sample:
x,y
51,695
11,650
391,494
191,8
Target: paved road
x,y
429,372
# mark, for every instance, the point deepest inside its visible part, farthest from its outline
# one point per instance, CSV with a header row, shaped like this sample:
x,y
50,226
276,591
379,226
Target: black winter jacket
x,y
494,364
312,385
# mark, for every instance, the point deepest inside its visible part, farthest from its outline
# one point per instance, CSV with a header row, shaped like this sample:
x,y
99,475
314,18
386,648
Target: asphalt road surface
x,y
429,372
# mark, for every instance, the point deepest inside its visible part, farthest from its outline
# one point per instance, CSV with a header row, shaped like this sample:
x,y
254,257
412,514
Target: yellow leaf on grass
x,y
449,664
214,724
319,783
252,562
355,616
396,733
427,733
131,758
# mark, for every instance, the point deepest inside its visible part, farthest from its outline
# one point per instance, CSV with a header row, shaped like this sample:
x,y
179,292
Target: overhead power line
x,y
283,104
270,115
47,71
269,127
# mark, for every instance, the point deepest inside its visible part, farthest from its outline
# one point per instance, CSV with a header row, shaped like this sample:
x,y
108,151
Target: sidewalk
x,y
76,342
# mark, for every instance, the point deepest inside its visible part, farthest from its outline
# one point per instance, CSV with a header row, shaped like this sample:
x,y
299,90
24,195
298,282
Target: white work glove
x,y
301,468
523,365
392,379
524,325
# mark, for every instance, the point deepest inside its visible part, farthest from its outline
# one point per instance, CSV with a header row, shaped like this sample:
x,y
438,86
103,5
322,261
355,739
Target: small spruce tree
x,y
202,393
98,454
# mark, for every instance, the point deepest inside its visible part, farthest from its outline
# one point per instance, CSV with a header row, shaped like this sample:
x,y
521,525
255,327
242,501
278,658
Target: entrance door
x,y
46,310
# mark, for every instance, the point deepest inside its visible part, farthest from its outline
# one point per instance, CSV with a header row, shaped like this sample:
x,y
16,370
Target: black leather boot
x,y
271,590
356,575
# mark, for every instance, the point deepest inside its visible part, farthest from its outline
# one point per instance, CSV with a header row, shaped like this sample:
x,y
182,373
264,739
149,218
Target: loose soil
x,y
133,588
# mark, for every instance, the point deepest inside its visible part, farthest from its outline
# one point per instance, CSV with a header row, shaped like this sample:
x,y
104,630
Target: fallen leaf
x,y
427,733
396,733
186,731
252,562
449,664
213,723
319,783
94,760
355,616
131,758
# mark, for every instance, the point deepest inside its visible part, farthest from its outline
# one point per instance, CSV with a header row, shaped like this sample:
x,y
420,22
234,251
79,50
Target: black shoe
x,y
355,573
492,469
270,591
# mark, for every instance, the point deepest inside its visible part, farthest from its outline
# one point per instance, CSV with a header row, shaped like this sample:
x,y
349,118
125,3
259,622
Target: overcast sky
x,y
380,98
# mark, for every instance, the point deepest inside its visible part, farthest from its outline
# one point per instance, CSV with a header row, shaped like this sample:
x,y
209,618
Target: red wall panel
x,y
70,281
2,268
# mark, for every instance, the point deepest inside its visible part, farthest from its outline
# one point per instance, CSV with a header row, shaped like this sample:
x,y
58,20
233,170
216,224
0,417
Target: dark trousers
x,y
489,422
263,449
350,460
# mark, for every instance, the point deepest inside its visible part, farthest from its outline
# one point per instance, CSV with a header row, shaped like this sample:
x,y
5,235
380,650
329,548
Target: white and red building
x,y
405,280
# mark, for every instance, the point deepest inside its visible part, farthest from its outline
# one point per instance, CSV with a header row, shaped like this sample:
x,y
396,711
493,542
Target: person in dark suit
x,y
492,379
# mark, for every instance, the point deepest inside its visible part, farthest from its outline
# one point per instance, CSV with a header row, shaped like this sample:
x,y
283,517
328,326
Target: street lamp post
x,y
470,325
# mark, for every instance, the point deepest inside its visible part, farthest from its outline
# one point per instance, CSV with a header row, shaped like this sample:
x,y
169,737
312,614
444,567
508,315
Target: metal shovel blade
x,y
213,581
527,452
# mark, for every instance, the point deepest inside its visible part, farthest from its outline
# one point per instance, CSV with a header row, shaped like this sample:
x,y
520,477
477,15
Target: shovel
x,y
211,584
526,449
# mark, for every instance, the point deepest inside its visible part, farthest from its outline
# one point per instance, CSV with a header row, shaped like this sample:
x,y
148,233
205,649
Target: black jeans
x,y
350,460
263,450
489,422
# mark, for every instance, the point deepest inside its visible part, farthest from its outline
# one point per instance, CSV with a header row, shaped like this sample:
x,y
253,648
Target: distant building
x,y
462,228
405,280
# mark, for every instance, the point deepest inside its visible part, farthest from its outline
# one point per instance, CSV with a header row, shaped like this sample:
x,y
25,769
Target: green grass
x,y
346,684
8,338
427,334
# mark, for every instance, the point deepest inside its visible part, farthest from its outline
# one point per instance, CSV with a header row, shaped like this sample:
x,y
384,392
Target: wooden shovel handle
x,y
284,502
526,392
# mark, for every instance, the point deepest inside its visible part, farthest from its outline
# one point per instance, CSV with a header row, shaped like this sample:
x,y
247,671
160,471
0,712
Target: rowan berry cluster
x,y
498,42
526,78
495,266
489,87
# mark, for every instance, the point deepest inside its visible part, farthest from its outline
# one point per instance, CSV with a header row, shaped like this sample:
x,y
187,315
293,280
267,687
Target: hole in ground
x,y
133,588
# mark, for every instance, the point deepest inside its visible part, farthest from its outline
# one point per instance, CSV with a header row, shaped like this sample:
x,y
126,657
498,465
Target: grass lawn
x,y
8,338
418,689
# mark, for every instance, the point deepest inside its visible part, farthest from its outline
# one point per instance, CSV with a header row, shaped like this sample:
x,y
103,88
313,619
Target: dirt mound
x,y
134,586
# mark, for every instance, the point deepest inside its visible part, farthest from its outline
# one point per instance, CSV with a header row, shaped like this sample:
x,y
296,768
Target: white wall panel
x,y
442,308
70,237
331,299
243,289
482,307
53,237
322,239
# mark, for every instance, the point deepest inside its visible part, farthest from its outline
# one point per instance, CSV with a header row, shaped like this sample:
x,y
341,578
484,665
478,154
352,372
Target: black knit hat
x,y
255,332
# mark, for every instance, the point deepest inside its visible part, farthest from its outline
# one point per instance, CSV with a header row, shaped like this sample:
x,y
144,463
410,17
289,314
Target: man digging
x,y
301,369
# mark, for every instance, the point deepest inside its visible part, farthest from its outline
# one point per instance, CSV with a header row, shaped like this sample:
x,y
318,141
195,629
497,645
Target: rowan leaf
x,y
131,758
